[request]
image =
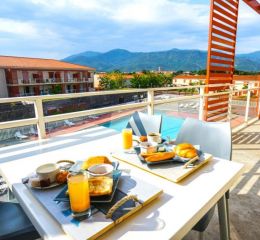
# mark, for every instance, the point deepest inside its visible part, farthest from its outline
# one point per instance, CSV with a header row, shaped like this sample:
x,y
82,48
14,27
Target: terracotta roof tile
x,y
38,63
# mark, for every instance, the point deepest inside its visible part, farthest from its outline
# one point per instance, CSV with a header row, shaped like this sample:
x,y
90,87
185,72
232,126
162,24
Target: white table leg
x,y
223,219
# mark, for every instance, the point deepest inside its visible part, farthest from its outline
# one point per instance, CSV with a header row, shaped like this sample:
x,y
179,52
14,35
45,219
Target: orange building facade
x,y
20,76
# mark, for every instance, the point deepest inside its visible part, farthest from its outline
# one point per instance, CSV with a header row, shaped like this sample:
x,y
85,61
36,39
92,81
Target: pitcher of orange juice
x,y
78,188
127,138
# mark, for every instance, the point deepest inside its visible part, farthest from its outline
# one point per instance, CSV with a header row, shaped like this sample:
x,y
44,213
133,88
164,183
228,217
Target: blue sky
x,y
58,28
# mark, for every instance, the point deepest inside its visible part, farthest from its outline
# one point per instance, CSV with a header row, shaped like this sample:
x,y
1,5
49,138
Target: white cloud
x,y
247,16
160,12
68,26
27,29
135,11
248,44
72,5
17,27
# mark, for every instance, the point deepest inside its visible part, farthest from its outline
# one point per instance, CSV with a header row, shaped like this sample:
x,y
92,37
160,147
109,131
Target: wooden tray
x,y
172,170
97,224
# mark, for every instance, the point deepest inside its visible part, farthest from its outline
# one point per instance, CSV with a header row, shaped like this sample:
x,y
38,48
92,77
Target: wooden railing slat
x,y
227,6
223,41
223,34
224,20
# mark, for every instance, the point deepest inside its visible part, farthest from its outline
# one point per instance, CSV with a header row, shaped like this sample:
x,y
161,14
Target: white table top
x,y
170,216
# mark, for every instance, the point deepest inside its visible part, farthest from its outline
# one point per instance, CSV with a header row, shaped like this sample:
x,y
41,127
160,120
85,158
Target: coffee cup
x,y
48,171
154,137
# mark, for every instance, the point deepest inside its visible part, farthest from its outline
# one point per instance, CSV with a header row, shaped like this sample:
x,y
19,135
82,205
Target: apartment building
x,y
22,76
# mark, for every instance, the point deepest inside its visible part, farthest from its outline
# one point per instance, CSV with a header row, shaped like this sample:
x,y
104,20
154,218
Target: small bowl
x,y
147,147
154,137
101,170
48,171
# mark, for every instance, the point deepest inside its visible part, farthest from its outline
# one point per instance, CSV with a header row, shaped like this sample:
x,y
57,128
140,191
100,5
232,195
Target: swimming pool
x,y
170,125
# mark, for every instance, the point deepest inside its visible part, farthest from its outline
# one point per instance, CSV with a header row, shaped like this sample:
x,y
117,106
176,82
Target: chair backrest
x,y
142,123
18,134
213,137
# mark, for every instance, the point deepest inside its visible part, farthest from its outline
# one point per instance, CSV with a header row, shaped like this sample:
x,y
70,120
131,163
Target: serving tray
x,y
91,228
171,170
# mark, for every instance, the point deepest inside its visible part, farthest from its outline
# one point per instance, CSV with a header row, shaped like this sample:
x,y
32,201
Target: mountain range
x,y
174,59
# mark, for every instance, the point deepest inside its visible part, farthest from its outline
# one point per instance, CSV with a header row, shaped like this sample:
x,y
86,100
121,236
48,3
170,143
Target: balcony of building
x,y
49,81
48,114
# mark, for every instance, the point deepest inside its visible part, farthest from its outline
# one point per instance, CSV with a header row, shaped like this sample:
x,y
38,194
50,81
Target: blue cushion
x,y
14,224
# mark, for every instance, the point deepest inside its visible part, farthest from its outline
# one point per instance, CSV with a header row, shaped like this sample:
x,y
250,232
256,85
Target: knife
x,y
191,161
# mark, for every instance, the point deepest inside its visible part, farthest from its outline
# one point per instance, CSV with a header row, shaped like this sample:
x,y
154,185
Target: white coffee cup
x,y
48,171
154,137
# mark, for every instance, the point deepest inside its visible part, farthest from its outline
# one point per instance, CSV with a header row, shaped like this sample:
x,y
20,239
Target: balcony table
x,y
172,215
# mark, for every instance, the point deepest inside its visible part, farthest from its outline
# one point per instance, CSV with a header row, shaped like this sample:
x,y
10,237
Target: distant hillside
x,y
174,59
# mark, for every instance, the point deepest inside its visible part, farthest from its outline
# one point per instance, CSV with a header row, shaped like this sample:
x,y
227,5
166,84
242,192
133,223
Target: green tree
x,y
149,79
113,80
56,89
167,80
136,81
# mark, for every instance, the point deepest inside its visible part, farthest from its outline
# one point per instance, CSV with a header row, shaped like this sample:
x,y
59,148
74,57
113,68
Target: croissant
x,y
143,138
185,150
61,177
94,160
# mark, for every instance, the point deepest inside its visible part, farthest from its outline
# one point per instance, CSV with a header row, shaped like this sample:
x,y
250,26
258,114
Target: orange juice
x,y
78,192
127,135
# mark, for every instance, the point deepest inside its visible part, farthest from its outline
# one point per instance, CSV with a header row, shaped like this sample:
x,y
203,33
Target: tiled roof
x,y
38,63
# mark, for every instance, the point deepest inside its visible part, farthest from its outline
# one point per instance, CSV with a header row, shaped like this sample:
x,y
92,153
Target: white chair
x,y
214,138
181,105
32,131
69,123
195,106
142,123
93,117
20,136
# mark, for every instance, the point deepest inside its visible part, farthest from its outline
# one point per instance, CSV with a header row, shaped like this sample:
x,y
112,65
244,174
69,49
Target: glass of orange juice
x,y
78,188
127,137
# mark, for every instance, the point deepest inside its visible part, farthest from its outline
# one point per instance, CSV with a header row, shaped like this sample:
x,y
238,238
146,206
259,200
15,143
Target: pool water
x,y
170,125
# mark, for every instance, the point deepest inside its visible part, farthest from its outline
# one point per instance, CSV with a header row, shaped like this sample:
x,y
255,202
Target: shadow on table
x,y
150,221
74,139
209,167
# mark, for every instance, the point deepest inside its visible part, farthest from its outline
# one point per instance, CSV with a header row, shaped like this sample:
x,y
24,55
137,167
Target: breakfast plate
x,y
176,159
48,175
63,197
52,185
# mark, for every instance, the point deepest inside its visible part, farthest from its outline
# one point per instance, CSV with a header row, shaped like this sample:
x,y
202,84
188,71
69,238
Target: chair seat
x,y
14,224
